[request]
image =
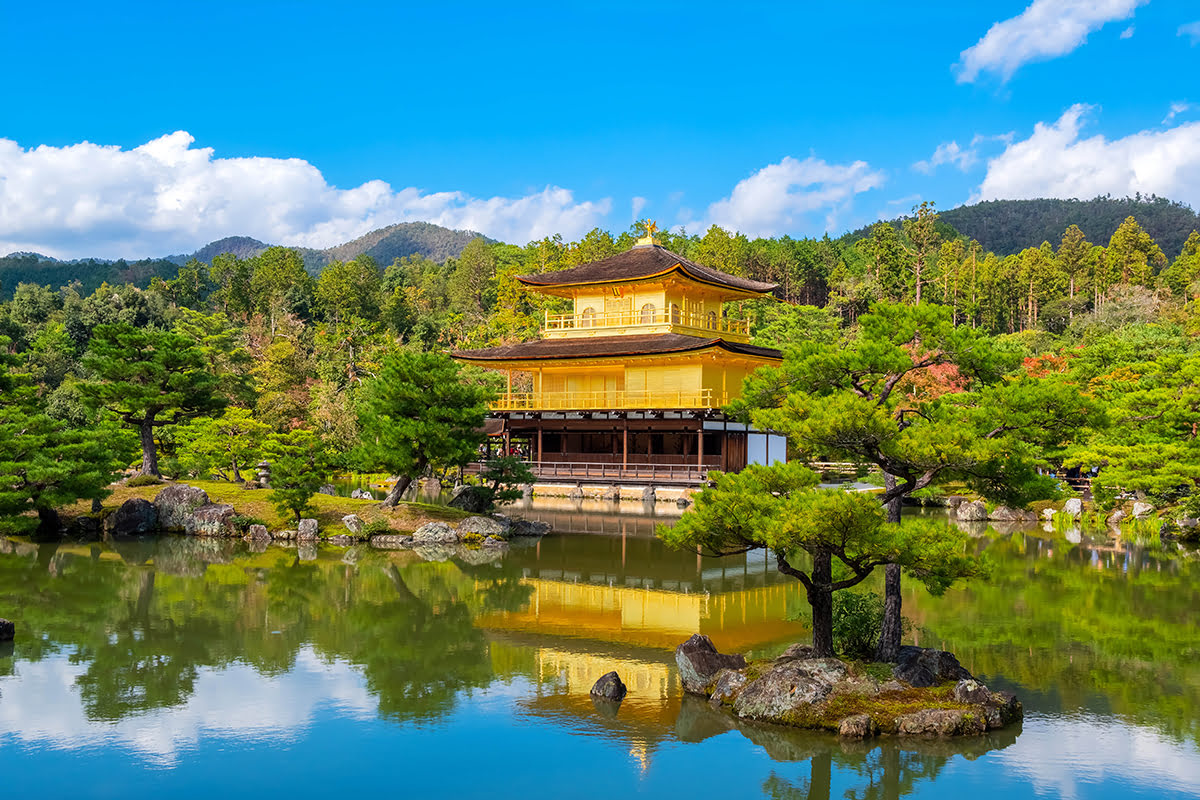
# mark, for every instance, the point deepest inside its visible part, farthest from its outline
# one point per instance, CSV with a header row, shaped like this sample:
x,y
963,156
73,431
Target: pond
x,y
197,668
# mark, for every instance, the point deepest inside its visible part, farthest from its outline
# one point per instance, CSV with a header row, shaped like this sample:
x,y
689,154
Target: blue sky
x,y
142,129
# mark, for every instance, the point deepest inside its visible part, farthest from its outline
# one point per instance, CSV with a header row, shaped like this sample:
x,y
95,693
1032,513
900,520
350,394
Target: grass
x,y
405,518
884,708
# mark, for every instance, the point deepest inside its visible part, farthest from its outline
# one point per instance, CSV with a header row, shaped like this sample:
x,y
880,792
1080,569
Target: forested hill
x,y
1005,227
384,245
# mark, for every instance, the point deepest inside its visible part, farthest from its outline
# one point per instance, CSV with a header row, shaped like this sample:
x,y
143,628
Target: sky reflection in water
x,y
201,669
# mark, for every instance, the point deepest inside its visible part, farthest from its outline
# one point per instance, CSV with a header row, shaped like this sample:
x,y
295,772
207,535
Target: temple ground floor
x,y
648,448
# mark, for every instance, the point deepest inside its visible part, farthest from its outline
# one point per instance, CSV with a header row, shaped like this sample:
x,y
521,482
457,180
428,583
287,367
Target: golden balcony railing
x,y
616,399
646,318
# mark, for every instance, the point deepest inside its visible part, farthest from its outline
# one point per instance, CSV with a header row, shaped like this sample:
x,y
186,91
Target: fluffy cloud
x,y
1190,30
1046,29
1056,162
1177,108
781,198
167,196
948,153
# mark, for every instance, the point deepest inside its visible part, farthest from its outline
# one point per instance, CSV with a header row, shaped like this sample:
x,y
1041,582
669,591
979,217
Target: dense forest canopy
x,y
1113,319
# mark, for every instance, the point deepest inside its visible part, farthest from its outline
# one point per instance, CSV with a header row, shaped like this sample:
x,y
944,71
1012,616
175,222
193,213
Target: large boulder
x,y
8,630
922,666
361,494
327,488
609,687
528,527
1073,508
213,519
135,517
353,523
942,722
483,526
176,503
727,687
612,494
473,499
1006,514
1117,517
306,531
974,511
786,689
434,533
699,663
1142,509
257,533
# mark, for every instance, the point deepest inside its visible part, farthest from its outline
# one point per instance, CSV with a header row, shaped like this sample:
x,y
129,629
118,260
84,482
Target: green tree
x,y
779,508
280,285
921,231
506,474
1181,277
149,379
231,276
44,463
350,289
1133,257
419,411
224,445
298,470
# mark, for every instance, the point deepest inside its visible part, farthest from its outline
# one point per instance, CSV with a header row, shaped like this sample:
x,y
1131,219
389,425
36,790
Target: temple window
x,y
648,314
588,318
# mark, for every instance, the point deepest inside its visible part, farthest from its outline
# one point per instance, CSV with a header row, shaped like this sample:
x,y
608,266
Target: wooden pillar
x,y
539,441
700,447
625,457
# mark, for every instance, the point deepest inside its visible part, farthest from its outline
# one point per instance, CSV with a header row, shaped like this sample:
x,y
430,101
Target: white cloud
x,y
1046,29
1055,162
1127,33
638,204
167,196
1177,108
1190,30
780,198
948,153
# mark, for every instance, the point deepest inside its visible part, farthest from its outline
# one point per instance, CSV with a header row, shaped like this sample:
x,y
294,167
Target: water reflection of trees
x,y
146,629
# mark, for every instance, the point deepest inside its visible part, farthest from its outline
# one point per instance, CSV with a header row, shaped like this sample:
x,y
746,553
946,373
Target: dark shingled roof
x,y
641,262
611,346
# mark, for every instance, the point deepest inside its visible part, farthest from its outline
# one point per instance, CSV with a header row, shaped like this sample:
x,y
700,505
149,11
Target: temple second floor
x,y
659,371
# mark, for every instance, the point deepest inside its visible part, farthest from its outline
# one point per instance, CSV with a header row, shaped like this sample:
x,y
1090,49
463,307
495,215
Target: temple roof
x,y
643,261
612,347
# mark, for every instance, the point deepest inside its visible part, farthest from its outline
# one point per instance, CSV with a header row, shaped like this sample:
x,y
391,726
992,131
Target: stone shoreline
x,y
926,693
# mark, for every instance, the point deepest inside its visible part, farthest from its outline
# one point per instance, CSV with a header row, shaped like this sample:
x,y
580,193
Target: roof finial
x,y
651,228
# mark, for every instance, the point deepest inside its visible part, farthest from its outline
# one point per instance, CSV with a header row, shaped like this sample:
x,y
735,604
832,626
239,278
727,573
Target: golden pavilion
x,y
628,387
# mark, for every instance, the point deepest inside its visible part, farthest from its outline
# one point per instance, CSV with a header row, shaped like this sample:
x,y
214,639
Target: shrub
x,y
378,527
857,617
243,522
142,480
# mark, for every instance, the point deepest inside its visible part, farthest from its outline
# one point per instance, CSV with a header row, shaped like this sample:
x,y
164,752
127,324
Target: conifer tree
x,y
149,379
298,469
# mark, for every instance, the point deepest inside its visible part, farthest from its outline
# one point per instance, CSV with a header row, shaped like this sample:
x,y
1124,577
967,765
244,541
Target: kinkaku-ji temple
x,y
628,387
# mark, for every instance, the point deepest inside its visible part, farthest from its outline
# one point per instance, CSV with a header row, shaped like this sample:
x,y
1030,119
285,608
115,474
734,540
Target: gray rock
x,y
135,517
798,650
969,690
1001,709
252,485
788,686
921,667
214,519
284,536
342,540
8,630
307,530
473,499
494,543
390,541
1142,509
727,687
1187,522
699,663
1117,517
176,503
1073,508
361,494
527,491
892,686
1006,514
353,523
859,726
974,511
434,533
258,533
609,687
648,495
1048,514
484,526
683,502
328,489
575,494
612,494
954,501
527,527
941,722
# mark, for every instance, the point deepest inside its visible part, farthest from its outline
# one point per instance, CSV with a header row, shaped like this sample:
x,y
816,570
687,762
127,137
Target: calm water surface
x,y
197,668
